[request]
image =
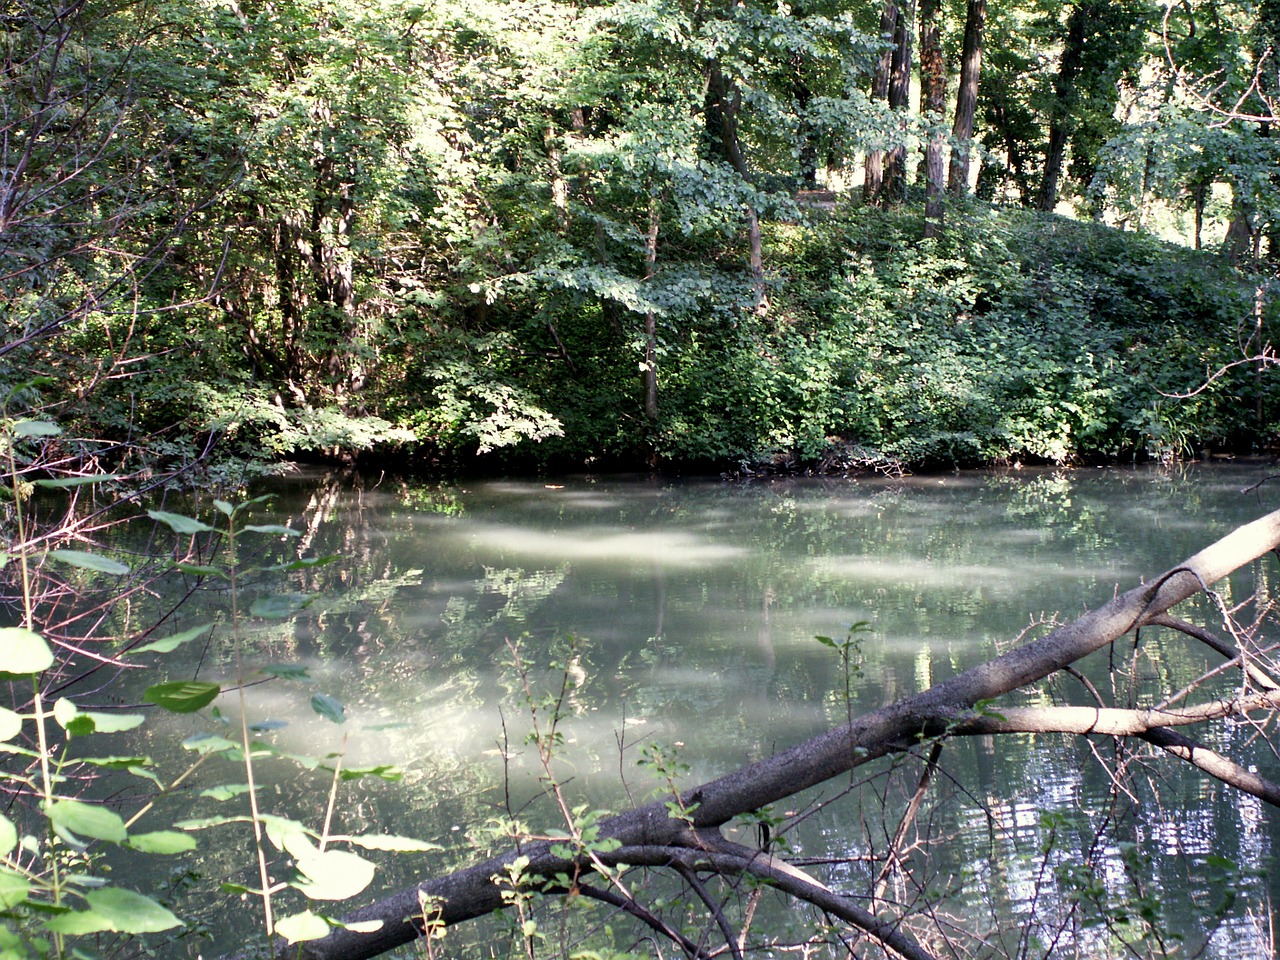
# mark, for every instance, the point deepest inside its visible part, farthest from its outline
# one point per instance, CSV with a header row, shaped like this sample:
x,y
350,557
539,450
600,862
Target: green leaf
x,y
10,724
137,766
182,696
287,671
209,743
328,707
63,482
272,528
198,569
279,606
286,834
302,926
36,428
390,842
171,643
81,819
333,875
14,888
359,926
88,561
224,508
23,651
305,563
117,910
162,842
79,724
266,726
8,836
178,523
204,823
384,771
226,791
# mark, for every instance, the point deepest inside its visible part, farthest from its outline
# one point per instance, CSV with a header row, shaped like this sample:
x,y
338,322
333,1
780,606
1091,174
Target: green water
x,y
686,615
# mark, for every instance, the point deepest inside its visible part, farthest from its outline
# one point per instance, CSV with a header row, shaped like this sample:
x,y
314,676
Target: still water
x,y
685,614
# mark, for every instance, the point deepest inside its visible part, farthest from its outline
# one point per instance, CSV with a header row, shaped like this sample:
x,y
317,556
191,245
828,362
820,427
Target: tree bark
x,y
649,370
967,96
873,181
1061,119
650,834
895,174
933,96
724,102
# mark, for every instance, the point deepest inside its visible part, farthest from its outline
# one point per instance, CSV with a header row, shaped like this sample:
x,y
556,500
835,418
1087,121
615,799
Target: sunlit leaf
x,y
178,523
14,888
304,564
390,842
23,651
209,743
85,820
333,875
137,766
198,569
385,771
36,428
168,644
62,482
8,836
162,842
226,791
79,723
272,528
328,707
182,696
225,508
117,910
86,881
281,605
302,926
286,834
10,724
88,561
360,926
204,823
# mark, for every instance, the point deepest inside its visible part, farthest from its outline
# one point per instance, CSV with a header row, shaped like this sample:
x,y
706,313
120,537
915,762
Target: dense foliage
x,y
633,232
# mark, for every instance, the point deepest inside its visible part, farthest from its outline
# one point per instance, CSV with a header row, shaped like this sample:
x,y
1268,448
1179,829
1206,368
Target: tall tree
x,y
967,96
933,99
1062,109
895,177
873,181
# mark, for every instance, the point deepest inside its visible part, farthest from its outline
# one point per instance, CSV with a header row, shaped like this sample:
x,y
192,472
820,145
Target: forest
x,y
458,236
552,238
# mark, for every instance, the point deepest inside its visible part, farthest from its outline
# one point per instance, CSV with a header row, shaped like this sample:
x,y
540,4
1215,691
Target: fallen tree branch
x,y
472,892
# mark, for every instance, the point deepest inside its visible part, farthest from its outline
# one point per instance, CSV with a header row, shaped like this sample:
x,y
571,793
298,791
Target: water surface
x,y
685,615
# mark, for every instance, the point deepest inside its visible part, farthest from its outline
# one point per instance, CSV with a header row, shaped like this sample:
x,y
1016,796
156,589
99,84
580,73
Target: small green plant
x,y
56,888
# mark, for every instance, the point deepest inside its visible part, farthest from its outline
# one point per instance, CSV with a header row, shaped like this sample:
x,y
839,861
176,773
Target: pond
x,y
685,616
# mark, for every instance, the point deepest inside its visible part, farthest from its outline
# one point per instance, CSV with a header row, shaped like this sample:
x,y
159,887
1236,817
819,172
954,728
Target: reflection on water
x,y
688,612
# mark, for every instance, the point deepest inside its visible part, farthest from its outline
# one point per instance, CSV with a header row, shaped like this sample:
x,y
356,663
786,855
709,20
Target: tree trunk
x,y
649,369
933,97
895,175
1061,118
873,182
967,96
652,834
724,101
